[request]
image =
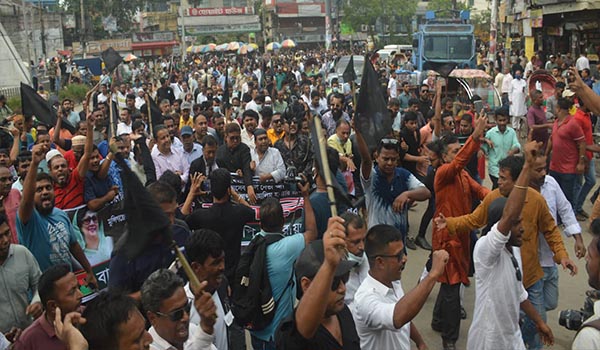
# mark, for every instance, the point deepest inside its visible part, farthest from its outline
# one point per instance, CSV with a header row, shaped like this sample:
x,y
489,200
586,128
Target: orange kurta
x,y
455,191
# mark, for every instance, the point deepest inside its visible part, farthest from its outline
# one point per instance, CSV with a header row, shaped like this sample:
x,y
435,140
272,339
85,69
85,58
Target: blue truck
x,y
444,40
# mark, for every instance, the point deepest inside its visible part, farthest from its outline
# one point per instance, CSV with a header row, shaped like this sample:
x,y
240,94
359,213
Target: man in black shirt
x,y
235,157
321,320
226,218
164,92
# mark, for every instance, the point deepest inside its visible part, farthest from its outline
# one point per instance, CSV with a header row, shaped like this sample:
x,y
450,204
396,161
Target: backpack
x,y
252,304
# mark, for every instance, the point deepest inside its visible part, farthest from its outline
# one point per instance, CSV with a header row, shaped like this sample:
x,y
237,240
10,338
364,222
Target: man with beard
x,y
266,161
321,320
250,120
68,184
424,100
168,311
191,149
295,148
45,230
165,92
235,157
166,157
169,122
336,113
205,251
10,200
59,292
98,189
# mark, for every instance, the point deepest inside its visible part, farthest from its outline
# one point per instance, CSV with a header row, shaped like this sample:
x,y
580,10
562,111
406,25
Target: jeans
x,y
550,287
57,82
567,185
528,328
259,344
582,191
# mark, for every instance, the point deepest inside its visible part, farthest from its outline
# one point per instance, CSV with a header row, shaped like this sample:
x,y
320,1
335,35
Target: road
x,y
571,290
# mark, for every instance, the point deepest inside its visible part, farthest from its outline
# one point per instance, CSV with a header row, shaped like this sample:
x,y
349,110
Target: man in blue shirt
x,y
45,230
281,256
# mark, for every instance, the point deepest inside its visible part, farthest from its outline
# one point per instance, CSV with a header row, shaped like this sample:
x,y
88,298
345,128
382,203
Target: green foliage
x,y
445,5
14,103
74,92
360,12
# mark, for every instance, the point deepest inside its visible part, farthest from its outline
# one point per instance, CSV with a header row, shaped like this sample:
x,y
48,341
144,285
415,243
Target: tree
x,y
446,5
481,22
95,11
388,12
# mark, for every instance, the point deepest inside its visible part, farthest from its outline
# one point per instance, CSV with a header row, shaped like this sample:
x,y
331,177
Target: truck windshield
x,y
448,47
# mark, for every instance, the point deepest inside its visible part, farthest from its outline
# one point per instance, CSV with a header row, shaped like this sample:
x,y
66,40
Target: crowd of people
x,y
189,129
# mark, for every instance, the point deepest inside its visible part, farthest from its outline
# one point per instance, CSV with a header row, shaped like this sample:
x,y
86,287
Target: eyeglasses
x,y
336,281
177,315
6,179
398,256
424,91
89,219
516,266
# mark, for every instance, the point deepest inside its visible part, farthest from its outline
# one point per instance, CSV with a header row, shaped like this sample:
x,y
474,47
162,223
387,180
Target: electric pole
x,y
493,31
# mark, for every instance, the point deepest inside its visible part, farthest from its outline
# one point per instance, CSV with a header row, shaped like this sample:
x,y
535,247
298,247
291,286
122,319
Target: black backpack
x,y
253,305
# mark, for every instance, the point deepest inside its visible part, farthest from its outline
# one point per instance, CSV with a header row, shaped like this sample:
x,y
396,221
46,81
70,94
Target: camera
x,y
205,185
573,319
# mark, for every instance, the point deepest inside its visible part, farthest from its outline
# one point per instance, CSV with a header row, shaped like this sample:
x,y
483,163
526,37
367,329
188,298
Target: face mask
x,y
259,107
336,89
217,109
518,77
357,259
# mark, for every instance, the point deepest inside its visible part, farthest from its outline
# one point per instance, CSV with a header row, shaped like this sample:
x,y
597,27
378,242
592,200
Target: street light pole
x,y
82,38
493,31
183,48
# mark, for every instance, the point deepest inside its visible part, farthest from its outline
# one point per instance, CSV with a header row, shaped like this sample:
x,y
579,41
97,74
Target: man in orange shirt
x,y
455,191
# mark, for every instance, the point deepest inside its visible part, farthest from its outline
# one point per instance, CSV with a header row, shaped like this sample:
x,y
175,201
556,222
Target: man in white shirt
x,y
382,312
499,288
506,80
356,232
517,97
392,87
582,62
170,316
250,121
124,126
206,253
266,161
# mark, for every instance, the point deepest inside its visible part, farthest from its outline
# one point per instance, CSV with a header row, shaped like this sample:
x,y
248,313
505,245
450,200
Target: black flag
x,y
156,116
111,59
443,69
372,116
33,104
145,218
349,74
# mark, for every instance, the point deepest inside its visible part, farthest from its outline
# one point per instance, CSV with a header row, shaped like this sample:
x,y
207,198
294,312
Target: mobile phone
x,y
478,105
206,185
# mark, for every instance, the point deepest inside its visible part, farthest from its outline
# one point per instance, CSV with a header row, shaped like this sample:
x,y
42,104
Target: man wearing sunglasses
x,y
322,320
168,310
382,312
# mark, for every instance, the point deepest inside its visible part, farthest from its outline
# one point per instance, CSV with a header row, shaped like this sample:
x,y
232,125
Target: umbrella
x,y
198,48
233,46
130,57
244,49
469,73
273,46
253,45
288,44
189,49
222,47
208,47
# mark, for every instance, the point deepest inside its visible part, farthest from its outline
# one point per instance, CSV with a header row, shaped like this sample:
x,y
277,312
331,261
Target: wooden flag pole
x,y
325,163
149,115
194,282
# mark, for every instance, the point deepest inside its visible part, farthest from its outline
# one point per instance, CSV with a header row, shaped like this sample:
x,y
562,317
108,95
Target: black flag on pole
x,y
443,69
33,104
349,74
145,218
372,116
226,88
111,59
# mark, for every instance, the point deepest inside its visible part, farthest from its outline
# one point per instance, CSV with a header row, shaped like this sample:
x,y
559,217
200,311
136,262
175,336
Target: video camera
x,y
573,319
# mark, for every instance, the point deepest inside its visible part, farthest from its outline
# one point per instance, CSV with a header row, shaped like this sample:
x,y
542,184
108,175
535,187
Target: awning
x,y
551,9
153,45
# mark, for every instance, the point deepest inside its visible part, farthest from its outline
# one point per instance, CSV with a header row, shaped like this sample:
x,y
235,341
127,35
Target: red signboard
x,y
221,11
